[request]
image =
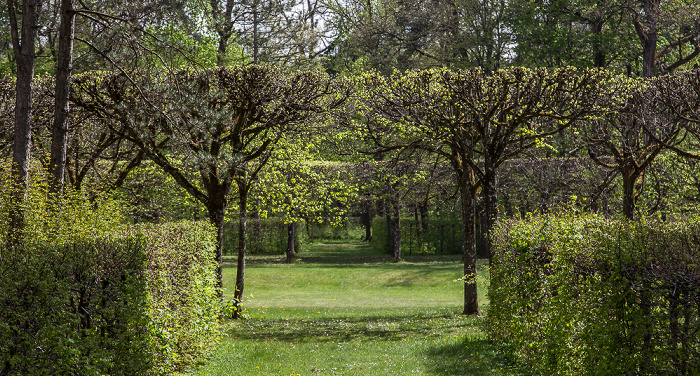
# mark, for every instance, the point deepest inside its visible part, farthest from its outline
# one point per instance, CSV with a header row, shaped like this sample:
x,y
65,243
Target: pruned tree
x,y
476,122
298,189
223,123
633,133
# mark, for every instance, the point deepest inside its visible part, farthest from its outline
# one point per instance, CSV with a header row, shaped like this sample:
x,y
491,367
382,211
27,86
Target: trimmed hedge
x,y
134,303
443,236
590,296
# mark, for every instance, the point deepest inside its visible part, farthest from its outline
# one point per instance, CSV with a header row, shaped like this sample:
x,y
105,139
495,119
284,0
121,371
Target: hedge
x,y
443,236
139,302
590,296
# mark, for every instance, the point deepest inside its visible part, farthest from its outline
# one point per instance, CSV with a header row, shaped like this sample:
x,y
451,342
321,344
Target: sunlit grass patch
x,y
377,318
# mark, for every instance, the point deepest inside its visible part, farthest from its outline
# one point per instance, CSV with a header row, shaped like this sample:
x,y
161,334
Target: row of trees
x,y
215,131
173,118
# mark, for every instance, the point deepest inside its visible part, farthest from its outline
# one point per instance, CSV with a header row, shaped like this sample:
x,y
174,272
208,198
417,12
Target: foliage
x,y
442,236
586,295
182,288
269,237
76,308
83,295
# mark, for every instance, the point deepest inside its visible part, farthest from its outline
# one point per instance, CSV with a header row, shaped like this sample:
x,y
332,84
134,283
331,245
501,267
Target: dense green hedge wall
x,y
184,307
590,296
443,236
140,302
265,236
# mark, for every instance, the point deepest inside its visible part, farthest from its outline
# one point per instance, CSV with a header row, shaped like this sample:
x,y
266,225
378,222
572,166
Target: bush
x,y
83,295
136,303
268,236
442,237
590,296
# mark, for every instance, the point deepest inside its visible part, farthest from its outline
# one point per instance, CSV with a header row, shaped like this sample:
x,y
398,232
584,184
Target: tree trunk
x,y
628,198
257,228
24,53
423,217
490,207
291,246
242,239
216,217
647,31
366,218
64,67
390,233
397,231
471,303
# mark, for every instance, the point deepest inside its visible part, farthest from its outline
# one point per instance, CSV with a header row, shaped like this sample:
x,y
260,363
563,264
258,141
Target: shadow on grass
x,y
366,328
474,356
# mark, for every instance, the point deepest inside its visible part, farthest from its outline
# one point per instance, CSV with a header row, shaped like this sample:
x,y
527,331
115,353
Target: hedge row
x,y
590,296
442,236
139,302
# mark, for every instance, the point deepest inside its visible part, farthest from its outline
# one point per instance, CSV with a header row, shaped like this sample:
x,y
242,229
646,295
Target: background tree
x,y
633,133
24,34
222,123
476,122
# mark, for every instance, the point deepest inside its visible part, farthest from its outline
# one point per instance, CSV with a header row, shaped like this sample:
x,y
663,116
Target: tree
x,y
24,35
476,122
223,123
634,132
677,23
296,189
64,68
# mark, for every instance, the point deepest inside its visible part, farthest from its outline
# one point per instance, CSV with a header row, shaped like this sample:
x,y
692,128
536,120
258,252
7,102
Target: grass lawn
x,y
345,310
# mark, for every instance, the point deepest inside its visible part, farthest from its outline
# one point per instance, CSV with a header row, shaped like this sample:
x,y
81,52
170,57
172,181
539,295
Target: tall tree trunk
x,y
628,199
598,51
396,239
423,208
64,67
24,53
647,31
390,232
291,246
243,189
257,228
490,206
471,302
216,217
366,218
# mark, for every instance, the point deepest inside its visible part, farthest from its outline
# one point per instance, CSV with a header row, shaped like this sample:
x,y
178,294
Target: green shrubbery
x,y
442,236
587,295
84,295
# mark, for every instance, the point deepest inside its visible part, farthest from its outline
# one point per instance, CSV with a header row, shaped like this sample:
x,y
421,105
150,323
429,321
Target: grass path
x,y
345,310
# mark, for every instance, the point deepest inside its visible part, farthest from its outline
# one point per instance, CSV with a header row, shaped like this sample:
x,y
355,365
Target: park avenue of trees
x,y
310,110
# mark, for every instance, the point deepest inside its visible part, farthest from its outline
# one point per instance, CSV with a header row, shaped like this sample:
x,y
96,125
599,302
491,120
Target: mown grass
x,y
349,312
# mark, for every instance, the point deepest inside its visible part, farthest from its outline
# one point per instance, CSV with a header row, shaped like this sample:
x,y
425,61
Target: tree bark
x,y
243,189
647,31
396,239
366,218
24,53
628,199
64,67
471,303
291,246
490,206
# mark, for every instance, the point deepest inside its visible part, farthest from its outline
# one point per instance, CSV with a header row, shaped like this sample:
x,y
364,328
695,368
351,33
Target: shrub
x,y
266,236
132,303
84,295
586,295
184,307
443,236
